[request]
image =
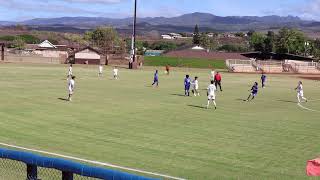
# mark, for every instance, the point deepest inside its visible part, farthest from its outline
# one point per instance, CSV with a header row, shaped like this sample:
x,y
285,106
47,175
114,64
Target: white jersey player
x,y
115,73
70,71
212,94
300,93
212,74
195,85
71,86
100,70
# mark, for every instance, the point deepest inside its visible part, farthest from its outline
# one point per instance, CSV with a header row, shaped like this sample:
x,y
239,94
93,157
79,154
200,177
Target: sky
x,y
19,10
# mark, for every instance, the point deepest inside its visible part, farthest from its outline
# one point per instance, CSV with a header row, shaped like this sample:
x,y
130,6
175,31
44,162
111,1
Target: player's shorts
x,y
70,91
254,93
187,87
211,97
300,94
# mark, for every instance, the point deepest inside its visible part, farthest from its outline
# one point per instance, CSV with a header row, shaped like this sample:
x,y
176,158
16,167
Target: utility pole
x,y
2,51
133,44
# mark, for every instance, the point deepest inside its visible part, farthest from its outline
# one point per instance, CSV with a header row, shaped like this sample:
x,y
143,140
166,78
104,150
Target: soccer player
x,y
212,95
217,80
195,84
70,71
263,80
187,84
212,74
254,91
71,86
156,79
100,70
300,94
115,73
167,69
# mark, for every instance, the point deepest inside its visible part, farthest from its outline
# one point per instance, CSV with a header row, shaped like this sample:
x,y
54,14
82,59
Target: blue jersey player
x,y
254,91
263,80
187,85
156,79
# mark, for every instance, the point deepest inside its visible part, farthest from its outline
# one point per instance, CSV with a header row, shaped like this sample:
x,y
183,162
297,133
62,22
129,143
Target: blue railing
x,y
68,168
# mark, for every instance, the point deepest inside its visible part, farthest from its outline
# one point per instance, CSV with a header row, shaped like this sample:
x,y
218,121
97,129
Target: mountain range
x,y
183,23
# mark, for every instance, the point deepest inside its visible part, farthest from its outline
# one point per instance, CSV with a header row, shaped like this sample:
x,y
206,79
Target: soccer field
x,y
128,123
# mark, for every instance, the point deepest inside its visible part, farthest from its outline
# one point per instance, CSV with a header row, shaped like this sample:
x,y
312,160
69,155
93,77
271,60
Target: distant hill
x,y
183,23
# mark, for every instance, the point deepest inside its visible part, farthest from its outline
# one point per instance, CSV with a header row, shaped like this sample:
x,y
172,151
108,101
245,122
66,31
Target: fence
x,y
17,165
270,66
31,59
303,67
237,65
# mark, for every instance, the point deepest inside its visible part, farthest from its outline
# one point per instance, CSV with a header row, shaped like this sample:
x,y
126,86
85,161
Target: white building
x,y
47,49
172,36
166,36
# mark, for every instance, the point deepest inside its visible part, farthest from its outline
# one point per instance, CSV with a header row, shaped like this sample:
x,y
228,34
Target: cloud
x,y
310,10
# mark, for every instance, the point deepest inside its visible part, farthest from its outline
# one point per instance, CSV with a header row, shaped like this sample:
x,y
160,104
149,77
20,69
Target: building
x,y
172,36
175,35
47,49
88,55
153,53
166,36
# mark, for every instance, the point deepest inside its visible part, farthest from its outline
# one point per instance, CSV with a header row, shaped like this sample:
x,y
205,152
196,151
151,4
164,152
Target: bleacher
x,y
304,67
247,66
237,65
271,66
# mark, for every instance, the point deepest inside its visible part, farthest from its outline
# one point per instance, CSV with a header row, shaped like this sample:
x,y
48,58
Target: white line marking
x,y
93,162
305,108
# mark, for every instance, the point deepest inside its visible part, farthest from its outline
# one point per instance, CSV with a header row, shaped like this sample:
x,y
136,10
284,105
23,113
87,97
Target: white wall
x,y
87,54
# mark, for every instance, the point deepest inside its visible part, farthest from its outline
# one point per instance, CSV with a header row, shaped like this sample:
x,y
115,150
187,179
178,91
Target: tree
x,y
29,39
257,41
207,42
251,32
290,41
233,48
270,42
106,38
239,34
315,48
19,43
196,35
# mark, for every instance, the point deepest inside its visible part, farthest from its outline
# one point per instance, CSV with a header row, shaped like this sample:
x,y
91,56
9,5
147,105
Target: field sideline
x,y
131,124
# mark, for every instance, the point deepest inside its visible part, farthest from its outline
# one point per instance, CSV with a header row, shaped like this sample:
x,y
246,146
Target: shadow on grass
x,y
241,99
199,107
63,99
181,95
287,101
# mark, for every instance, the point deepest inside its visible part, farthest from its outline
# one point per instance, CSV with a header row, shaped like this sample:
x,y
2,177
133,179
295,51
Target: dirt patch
x,y
311,77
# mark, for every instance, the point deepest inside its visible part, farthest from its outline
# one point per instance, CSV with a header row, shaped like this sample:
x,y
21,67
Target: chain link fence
x,y
15,170
17,165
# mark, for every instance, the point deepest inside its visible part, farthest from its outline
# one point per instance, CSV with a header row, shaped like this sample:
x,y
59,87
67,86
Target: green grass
x,y
183,62
129,123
